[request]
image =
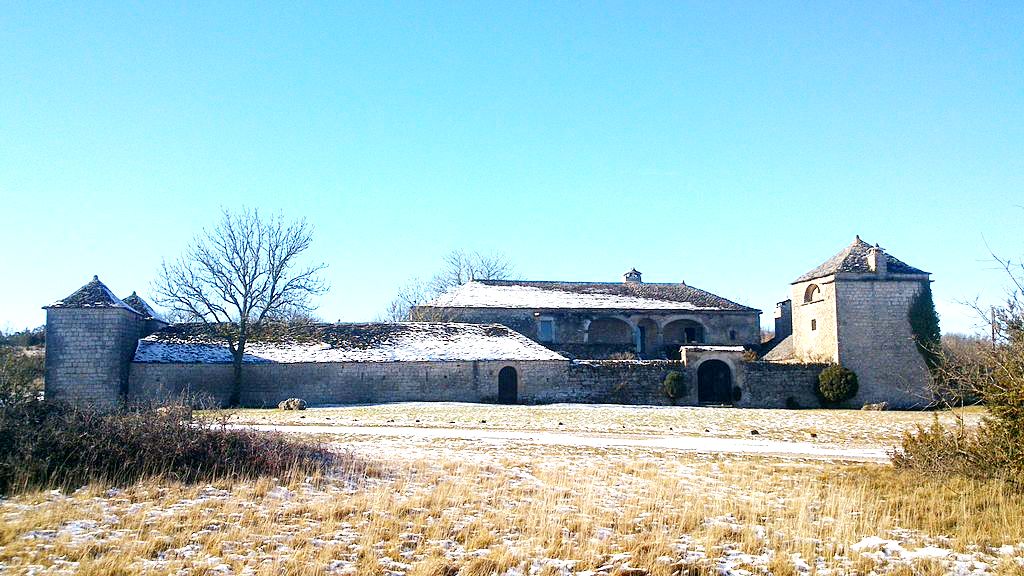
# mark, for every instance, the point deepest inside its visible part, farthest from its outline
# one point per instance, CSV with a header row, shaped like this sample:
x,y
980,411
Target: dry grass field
x,y
443,506
846,428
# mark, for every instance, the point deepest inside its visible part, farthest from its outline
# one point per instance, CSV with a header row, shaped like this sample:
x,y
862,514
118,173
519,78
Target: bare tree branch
x,y
240,274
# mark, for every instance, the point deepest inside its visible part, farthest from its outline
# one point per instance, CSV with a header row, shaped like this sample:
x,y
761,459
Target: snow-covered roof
x,y
854,258
94,294
141,306
375,342
582,295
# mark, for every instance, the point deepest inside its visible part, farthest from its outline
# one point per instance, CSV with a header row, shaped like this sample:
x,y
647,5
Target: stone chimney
x,y
783,319
878,262
632,276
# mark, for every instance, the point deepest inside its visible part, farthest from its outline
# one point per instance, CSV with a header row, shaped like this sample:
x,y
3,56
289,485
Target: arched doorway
x,y
714,383
508,385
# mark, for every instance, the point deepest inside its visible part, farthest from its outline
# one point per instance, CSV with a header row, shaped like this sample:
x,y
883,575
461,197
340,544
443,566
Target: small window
x,y
691,334
812,294
814,324
546,332
732,334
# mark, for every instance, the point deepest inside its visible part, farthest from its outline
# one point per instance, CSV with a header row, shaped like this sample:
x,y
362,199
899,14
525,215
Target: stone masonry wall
x,y
620,382
876,342
819,344
762,384
771,385
345,383
87,354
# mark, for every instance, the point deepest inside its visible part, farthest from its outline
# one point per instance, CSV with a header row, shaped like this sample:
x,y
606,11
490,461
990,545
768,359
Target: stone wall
x,y
609,381
771,385
876,342
345,383
814,323
620,382
87,354
762,384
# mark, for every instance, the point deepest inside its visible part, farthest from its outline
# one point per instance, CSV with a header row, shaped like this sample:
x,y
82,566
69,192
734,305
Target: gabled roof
x,y
372,342
582,295
95,294
141,306
854,258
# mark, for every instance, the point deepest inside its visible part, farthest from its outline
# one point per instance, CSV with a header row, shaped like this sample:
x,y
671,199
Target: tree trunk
x,y
236,384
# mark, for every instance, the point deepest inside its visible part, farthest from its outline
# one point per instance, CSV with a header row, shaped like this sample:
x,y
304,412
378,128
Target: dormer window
x,y
812,294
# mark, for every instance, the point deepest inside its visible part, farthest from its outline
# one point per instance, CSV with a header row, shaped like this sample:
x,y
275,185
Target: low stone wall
x,y
761,384
620,382
773,385
345,383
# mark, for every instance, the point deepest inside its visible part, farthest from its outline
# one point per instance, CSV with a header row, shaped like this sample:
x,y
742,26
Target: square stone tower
x,y
91,337
854,310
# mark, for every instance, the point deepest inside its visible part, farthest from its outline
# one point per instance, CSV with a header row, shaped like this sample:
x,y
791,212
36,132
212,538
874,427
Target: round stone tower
x,y
91,337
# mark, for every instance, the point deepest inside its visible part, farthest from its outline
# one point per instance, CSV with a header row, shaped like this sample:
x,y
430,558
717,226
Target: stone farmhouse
x,y
600,319
520,342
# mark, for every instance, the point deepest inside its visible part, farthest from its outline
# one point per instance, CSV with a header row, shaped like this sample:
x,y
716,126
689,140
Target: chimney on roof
x,y
632,276
878,262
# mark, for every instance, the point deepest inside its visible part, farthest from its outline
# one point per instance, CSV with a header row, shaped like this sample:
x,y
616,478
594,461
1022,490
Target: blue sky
x,y
730,145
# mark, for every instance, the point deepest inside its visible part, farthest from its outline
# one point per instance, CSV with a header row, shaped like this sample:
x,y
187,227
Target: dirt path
x,y
699,444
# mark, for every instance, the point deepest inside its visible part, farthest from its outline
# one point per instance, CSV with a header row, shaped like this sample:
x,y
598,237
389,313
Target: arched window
x,y
812,293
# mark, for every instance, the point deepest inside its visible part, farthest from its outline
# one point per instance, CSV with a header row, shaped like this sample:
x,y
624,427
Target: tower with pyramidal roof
x,y
91,336
853,310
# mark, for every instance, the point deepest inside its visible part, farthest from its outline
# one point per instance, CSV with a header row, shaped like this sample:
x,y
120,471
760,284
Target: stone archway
x,y
508,385
608,330
680,332
714,383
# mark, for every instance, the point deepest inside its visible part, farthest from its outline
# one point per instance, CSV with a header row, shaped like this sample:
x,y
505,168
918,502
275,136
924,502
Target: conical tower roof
x,y
141,306
95,294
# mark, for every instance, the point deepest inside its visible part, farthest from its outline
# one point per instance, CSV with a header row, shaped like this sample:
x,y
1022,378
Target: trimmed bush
x,y
674,384
51,445
836,384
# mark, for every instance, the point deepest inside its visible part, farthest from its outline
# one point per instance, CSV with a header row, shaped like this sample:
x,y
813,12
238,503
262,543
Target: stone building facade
x,y
520,342
853,310
595,320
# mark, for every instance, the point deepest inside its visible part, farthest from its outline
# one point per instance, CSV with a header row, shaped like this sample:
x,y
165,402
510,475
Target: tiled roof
x,y
141,306
373,342
582,295
95,294
854,258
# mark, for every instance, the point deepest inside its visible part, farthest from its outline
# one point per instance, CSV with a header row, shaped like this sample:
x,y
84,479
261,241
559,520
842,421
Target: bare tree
x,y
458,267
239,275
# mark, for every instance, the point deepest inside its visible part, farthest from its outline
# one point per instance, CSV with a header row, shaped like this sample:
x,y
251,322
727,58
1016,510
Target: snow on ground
x,y
840,429
247,530
596,502
682,443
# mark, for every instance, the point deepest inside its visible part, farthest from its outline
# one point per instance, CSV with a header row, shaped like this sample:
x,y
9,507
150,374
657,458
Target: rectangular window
x,y
814,324
546,332
732,334
691,335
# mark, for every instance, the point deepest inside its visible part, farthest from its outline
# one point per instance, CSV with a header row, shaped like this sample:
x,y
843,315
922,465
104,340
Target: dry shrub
x,y
995,374
54,445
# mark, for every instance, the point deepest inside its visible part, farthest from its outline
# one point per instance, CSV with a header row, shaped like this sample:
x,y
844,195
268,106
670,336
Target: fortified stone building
x,y
520,341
